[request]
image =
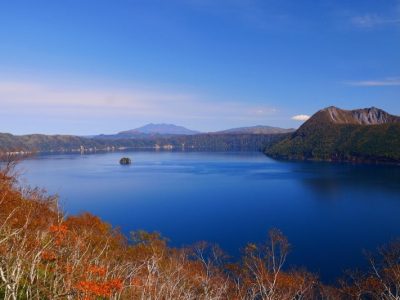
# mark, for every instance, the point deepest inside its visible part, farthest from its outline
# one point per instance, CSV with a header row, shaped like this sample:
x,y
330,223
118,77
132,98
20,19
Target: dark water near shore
x,y
329,212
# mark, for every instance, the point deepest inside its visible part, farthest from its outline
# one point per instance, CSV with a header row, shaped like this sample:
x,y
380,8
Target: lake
x,y
329,212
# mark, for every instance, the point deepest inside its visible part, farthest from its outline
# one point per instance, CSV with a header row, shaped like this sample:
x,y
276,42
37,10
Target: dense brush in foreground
x,y
44,255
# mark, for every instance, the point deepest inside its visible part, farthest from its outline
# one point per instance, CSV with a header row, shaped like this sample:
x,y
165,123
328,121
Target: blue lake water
x,y
329,212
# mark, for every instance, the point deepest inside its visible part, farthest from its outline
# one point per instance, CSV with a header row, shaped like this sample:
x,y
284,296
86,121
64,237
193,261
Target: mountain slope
x,y
162,129
259,129
169,130
203,142
334,134
41,142
365,116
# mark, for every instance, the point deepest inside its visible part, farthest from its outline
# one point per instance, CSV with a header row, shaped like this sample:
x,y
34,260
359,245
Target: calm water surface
x,y
330,212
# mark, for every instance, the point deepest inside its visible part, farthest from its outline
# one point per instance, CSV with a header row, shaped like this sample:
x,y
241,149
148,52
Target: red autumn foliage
x,y
48,256
99,288
45,255
99,271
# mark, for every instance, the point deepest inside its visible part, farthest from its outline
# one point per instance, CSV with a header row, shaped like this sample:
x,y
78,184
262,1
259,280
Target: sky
x,y
103,66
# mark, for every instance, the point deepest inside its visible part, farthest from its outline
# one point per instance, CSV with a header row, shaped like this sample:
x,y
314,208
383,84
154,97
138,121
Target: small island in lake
x,y
125,161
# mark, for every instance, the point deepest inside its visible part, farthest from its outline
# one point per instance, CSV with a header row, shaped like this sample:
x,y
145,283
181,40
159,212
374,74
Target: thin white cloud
x,y
373,20
151,103
391,81
300,118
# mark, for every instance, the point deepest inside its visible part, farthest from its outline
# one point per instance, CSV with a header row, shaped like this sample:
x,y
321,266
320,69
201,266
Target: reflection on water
x,y
330,212
327,179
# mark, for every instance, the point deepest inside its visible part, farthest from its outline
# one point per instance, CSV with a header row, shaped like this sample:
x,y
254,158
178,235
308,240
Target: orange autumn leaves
x,y
82,257
96,286
45,255
92,281
60,232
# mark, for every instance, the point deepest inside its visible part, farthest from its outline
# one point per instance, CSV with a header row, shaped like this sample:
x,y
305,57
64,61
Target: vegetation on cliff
x,y
369,135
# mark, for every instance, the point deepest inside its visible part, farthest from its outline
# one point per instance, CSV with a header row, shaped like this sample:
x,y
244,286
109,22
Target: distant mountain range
x,y
161,129
259,129
151,130
334,134
151,136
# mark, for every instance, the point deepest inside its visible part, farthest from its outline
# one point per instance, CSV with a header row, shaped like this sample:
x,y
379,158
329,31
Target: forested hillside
x,y
67,143
368,135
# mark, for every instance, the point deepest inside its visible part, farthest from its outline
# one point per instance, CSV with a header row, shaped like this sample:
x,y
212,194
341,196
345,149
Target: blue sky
x,y
86,67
